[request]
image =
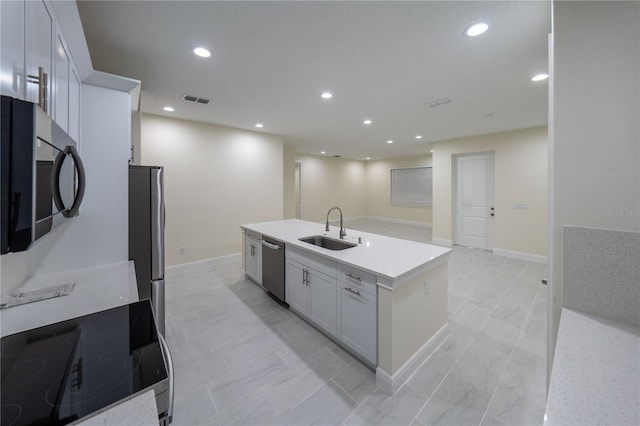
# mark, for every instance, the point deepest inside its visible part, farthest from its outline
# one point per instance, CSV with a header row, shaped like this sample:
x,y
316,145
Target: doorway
x,y
474,200
298,189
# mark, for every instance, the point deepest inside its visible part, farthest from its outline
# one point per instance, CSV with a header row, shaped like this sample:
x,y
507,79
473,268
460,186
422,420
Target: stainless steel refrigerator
x,y
146,235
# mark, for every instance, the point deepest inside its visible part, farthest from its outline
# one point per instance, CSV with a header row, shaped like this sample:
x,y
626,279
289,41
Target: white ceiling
x,y
382,61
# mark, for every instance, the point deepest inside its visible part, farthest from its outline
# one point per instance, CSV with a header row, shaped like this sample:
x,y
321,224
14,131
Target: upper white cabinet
x,y
74,103
12,48
39,44
61,83
36,63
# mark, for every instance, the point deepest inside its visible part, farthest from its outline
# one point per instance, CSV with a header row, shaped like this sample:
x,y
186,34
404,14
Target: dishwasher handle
x,y
270,245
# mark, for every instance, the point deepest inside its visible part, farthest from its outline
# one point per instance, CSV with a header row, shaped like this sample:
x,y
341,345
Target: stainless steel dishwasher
x,y
273,267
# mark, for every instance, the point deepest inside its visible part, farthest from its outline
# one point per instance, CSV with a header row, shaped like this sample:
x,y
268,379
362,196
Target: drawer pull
x,y
349,289
353,277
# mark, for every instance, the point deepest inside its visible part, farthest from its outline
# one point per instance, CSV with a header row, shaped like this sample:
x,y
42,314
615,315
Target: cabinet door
x,y
39,46
322,300
61,84
12,48
74,104
357,321
250,260
296,287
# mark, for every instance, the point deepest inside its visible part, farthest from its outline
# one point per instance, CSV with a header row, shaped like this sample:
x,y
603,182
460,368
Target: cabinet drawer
x,y
357,278
320,264
254,236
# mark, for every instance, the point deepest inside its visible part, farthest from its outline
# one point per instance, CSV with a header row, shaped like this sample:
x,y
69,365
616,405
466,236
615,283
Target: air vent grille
x,y
196,99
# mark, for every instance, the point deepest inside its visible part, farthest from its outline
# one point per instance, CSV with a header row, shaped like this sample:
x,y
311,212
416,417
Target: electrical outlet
x,y
427,286
181,251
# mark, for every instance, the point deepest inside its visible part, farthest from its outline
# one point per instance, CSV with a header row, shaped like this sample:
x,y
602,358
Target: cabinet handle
x,y
308,279
42,80
353,277
349,289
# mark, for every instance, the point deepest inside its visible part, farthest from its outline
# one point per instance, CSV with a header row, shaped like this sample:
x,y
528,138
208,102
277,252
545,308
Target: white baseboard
x,y
202,262
520,255
442,242
393,220
391,383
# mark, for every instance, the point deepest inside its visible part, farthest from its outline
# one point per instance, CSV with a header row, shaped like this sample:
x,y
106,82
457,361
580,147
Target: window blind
x,y
412,186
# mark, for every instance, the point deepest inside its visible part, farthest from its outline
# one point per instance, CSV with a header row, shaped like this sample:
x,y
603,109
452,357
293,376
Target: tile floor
x,y
240,358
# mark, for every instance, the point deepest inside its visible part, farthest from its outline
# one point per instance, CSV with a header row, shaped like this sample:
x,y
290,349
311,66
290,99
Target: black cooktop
x,y
61,372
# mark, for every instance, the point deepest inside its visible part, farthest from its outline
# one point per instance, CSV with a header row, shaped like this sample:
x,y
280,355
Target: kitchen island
x,y
384,299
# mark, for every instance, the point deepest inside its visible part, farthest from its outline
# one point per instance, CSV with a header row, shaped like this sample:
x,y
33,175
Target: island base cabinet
x,y
296,287
322,300
357,321
253,259
312,294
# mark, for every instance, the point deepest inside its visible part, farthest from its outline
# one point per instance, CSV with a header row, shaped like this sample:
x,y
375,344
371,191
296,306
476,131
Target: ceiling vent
x,y
195,99
439,102
337,156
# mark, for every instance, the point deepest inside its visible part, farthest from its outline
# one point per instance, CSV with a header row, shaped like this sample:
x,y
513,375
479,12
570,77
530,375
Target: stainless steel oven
x,y
43,178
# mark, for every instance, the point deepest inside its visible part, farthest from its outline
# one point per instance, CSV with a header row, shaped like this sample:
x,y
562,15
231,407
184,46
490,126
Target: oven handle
x,y
57,167
167,352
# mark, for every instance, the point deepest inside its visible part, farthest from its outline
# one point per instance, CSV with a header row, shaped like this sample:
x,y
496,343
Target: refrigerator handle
x,y
157,227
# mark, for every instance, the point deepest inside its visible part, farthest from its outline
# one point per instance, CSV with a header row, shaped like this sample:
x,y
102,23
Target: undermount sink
x,y
328,243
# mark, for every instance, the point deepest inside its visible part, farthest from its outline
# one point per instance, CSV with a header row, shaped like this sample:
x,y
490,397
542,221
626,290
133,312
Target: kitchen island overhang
x,y
411,283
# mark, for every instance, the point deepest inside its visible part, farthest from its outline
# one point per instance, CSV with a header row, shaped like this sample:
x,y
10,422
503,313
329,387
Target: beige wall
x,y
595,143
328,182
520,177
378,190
216,178
288,181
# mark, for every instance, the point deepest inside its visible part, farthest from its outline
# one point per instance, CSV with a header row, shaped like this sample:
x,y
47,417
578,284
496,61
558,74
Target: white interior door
x,y
474,210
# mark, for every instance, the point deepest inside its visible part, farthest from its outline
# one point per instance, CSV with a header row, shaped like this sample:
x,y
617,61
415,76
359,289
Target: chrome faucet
x,y
343,233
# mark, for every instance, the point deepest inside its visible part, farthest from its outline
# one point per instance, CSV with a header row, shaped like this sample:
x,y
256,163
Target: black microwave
x,y
42,177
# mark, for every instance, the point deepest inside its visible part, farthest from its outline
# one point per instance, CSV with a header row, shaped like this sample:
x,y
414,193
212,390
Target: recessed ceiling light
x,y
323,152
202,52
431,151
366,122
368,158
326,95
476,29
389,141
169,109
259,125
540,77
419,137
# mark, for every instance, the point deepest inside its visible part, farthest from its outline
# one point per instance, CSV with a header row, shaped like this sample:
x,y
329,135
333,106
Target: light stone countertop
x,y
595,378
390,259
138,411
97,288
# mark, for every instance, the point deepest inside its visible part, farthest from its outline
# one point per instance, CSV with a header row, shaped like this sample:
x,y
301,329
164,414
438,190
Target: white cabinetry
x,y
339,299
311,289
253,257
39,52
357,311
12,48
61,83
36,63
